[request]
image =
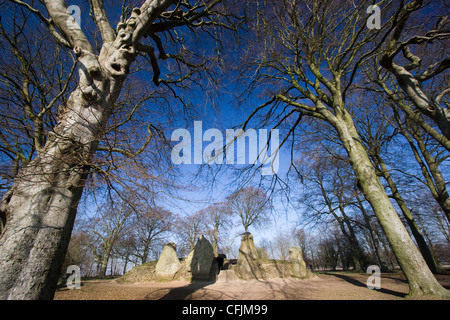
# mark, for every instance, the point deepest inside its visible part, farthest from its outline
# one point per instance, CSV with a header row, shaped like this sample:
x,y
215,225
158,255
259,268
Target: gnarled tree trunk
x,y
41,207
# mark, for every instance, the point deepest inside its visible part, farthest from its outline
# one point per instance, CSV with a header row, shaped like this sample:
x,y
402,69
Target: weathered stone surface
x,y
276,268
227,275
202,260
188,260
298,264
143,273
248,265
168,264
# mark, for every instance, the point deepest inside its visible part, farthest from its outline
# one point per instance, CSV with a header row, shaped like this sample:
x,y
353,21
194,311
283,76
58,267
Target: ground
x,y
326,286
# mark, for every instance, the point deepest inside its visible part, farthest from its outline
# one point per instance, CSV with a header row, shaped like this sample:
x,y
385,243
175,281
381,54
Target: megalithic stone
x,y
298,264
168,264
202,260
248,264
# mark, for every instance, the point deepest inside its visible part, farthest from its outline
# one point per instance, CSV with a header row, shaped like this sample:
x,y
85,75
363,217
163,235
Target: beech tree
x,y
430,158
251,205
40,207
308,56
150,227
405,56
376,134
110,225
36,78
416,131
329,192
218,220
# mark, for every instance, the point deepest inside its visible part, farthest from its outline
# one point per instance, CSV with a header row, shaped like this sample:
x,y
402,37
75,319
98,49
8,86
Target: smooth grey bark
x,y
41,207
415,230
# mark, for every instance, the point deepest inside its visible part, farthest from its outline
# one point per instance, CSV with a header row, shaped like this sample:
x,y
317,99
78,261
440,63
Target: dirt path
x,y
329,286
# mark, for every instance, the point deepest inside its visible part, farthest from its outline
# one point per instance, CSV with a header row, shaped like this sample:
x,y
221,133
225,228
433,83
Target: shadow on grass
x,y
358,283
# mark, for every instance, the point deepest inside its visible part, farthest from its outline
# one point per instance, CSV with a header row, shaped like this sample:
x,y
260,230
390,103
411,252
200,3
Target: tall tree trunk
x,y
355,249
42,204
417,234
40,208
373,235
144,256
125,265
420,278
105,258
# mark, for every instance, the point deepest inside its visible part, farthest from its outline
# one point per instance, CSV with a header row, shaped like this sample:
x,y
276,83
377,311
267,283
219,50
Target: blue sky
x,y
219,110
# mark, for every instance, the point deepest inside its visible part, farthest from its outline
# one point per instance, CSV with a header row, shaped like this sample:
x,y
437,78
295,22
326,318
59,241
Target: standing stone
x,y
248,265
168,264
188,260
202,260
298,264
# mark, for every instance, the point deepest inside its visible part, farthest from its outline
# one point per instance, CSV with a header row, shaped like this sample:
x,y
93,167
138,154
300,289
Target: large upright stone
x,y
188,260
202,260
248,265
168,264
298,264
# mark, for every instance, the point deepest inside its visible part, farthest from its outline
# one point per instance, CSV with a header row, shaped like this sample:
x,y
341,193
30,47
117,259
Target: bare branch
x,y
48,22
100,18
127,153
147,14
74,36
434,70
154,62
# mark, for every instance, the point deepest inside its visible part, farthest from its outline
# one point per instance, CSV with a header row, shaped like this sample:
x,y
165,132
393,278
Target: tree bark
x,y
412,89
420,278
417,234
42,205
105,259
372,233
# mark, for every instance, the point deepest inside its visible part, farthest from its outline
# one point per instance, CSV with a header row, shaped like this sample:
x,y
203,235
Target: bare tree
x,y
218,219
329,191
251,205
41,205
282,243
111,224
413,70
188,229
430,159
124,250
308,56
79,254
329,248
150,227
36,79
376,134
